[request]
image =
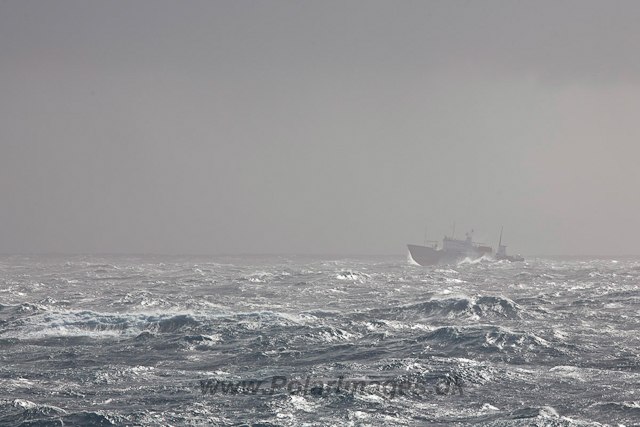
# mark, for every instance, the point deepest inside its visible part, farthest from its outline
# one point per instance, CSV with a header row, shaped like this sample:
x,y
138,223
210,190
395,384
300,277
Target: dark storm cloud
x,y
208,127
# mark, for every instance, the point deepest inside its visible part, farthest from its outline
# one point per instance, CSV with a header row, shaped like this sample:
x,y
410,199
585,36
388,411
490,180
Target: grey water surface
x,y
315,341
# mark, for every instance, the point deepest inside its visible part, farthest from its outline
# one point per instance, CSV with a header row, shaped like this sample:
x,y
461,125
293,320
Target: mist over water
x,y
123,340
219,127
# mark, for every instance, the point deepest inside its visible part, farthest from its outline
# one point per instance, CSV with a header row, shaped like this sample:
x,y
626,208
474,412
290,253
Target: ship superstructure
x,y
502,252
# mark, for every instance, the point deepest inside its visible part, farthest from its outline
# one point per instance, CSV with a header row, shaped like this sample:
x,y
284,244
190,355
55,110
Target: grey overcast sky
x,y
334,127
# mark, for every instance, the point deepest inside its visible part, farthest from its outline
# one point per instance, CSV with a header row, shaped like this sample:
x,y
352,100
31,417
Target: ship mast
x,y
500,243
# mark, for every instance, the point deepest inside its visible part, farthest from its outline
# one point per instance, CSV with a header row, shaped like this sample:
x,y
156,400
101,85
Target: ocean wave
x,y
92,324
44,323
22,412
480,307
488,339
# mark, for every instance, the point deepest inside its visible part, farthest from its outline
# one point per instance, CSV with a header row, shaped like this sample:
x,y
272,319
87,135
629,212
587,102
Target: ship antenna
x,y
500,243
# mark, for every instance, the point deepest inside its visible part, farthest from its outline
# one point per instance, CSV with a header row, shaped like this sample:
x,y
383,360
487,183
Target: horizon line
x,y
240,254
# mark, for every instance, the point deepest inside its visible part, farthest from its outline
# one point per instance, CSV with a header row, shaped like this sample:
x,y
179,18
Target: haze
x,y
325,127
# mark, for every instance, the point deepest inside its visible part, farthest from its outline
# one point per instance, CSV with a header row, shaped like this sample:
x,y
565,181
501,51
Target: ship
x,y
454,251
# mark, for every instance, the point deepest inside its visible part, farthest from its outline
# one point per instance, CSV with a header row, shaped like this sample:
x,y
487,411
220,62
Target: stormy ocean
x,y
317,341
